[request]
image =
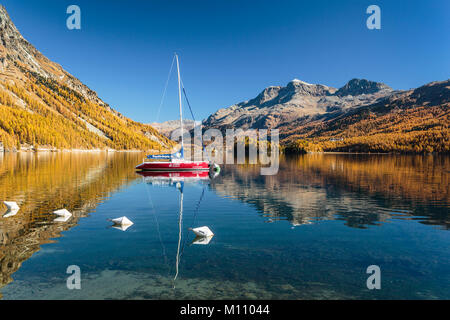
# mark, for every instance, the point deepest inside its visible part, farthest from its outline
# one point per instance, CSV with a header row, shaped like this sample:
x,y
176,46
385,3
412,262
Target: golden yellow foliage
x,y
302,146
44,112
421,129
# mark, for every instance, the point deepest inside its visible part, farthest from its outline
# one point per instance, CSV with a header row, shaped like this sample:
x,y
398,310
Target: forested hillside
x,y
43,106
415,121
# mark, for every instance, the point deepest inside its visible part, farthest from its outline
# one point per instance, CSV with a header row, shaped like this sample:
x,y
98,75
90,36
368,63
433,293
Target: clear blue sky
x,y
231,50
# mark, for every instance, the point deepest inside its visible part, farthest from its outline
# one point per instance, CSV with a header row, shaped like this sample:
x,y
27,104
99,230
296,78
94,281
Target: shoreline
x,y
49,149
150,152
374,153
70,150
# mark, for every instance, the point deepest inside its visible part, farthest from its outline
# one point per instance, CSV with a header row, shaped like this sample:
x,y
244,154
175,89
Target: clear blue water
x,y
309,232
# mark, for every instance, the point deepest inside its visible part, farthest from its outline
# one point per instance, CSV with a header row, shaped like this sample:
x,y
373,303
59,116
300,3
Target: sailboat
x,y
175,161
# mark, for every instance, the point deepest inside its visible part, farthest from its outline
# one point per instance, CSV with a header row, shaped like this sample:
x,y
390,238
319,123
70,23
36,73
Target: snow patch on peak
x,y
302,82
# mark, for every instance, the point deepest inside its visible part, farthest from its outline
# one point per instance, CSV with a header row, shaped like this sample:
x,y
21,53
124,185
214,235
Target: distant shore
x,y
70,150
47,150
33,149
375,153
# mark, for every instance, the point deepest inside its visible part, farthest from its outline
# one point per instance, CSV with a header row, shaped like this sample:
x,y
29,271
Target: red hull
x,y
177,174
174,166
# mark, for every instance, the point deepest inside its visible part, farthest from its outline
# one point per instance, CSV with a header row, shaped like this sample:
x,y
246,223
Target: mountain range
x,y
42,106
166,128
362,116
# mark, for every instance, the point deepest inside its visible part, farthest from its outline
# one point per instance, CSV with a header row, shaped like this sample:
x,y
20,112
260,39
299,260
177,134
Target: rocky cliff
x,y
277,106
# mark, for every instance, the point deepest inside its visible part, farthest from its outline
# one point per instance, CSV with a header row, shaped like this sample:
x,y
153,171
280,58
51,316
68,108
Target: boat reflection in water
x,y
351,211
170,177
179,179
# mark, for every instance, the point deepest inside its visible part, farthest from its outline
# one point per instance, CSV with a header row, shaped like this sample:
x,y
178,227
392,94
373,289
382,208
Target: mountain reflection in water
x,y
358,191
336,186
44,182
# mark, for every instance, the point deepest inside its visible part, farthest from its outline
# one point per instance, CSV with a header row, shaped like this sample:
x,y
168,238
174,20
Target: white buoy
x,y
203,231
62,213
214,170
202,240
62,218
10,213
121,227
123,221
11,205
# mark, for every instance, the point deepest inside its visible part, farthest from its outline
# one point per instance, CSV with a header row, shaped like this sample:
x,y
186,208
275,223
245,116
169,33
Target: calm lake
x,y
309,232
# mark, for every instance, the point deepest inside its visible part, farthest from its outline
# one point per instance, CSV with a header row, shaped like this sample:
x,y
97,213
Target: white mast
x,y
181,107
180,219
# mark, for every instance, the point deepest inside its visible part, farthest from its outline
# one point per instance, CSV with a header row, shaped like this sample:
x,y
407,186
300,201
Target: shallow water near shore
x,y
309,232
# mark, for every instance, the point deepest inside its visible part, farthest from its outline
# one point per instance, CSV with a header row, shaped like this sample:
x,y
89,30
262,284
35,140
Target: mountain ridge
x,y
346,119
361,86
276,105
412,121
